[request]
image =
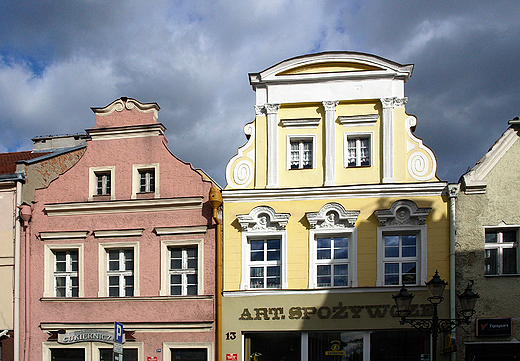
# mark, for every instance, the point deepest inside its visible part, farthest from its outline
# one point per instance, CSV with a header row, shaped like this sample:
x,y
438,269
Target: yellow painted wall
x,y
367,223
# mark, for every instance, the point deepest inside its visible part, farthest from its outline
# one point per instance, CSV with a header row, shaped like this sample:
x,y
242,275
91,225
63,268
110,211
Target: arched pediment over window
x,y
332,215
263,218
403,212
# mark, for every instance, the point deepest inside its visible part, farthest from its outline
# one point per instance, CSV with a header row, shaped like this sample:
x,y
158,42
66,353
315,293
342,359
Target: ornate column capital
x,y
387,102
330,105
400,102
272,108
260,110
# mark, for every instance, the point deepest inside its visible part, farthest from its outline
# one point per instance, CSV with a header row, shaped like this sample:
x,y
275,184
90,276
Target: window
x,y
301,151
358,150
332,261
402,244
264,249
120,273
400,259
66,280
147,180
265,263
103,183
188,351
301,154
501,252
183,271
182,267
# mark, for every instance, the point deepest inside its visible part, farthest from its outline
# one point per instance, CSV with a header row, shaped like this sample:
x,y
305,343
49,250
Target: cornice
x,y
126,206
59,235
301,123
357,120
337,192
167,231
128,103
137,131
126,299
119,233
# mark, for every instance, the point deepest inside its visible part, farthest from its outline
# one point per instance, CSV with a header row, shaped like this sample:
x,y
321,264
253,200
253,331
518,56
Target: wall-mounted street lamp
x,y
435,325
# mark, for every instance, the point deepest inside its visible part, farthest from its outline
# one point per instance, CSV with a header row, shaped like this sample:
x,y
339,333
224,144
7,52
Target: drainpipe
x,y
25,214
453,192
215,200
17,255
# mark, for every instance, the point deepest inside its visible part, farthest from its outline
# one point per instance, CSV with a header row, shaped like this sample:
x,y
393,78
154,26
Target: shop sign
x,y
494,326
231,357
332,312
86,336
151,358
449,344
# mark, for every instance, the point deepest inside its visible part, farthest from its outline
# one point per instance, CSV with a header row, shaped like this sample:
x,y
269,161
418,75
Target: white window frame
x,y
136,178
184,271
103,249
401,259
421,259
49,264
93,178
364,135
166,346
265,263
165,263
314,234
68,273
263,223
500,245
120,273
301,138
403,217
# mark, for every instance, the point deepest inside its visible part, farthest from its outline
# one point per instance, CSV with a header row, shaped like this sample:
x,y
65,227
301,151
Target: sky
x,y
59,58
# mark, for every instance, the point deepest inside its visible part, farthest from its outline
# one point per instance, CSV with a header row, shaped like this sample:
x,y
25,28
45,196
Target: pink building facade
x,y
120,230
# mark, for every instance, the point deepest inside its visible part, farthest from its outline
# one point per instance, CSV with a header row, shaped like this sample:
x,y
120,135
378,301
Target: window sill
x,y
101,198
125,299
145,195
506,275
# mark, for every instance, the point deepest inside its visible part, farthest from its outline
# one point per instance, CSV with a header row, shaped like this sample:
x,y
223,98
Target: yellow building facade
x,y
331,205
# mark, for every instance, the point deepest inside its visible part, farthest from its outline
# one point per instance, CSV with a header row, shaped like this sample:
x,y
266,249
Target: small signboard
x,y
151,358
118,341
231,357
494,327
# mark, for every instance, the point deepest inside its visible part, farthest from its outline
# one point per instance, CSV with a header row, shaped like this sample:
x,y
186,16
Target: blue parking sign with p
x,y
118,332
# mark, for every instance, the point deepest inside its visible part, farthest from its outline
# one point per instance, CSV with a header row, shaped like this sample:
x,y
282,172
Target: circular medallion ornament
x,y
243,173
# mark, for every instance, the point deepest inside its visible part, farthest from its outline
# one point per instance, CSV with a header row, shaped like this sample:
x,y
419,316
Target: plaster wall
x,y
7,236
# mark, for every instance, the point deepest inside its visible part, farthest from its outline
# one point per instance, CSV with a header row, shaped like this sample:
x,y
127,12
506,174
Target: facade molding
x,y
59,235
145,130
330,142
241,174
344,192
358,120
301,122
272,145
128,103
332,215
126,206
168,231
118,233
263,218
403,212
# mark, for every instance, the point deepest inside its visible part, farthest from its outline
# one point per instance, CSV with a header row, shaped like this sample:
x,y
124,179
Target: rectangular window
x,y
332,261
103,180
129,354
400,259
147,180
301,153
66,281
120,272
189,354
183,271
358,151
501,252
265,264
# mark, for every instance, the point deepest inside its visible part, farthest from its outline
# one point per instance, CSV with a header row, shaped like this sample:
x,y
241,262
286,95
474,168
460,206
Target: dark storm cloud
x,y
59,58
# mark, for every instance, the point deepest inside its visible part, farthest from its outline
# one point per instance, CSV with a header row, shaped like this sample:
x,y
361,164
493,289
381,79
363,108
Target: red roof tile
x,y
7,160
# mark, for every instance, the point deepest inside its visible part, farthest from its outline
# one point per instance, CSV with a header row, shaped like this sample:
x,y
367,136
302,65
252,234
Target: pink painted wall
x,y
176,179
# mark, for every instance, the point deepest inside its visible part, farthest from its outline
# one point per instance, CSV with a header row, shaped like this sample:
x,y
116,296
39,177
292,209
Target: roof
x,y
8,160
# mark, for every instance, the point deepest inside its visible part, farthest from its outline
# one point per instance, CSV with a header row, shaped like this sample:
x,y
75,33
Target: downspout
x,y
215,200
453,192
25,214
17,255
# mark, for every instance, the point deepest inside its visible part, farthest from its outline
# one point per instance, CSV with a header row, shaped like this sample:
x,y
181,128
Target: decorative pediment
x,y
402,212
263,218
332,215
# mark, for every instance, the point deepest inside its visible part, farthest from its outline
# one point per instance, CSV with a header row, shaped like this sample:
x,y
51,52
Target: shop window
x,y
326,346
501,252
189,354
273,346
183,271
264,249
301,152
358,150
67,354
407,345
120,272
333,247
129,354
401,244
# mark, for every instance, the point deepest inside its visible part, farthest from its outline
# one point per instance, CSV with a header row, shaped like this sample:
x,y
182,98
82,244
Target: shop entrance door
x,y
67,354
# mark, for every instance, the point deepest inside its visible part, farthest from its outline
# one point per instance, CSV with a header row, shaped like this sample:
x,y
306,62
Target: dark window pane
x,y
509,260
